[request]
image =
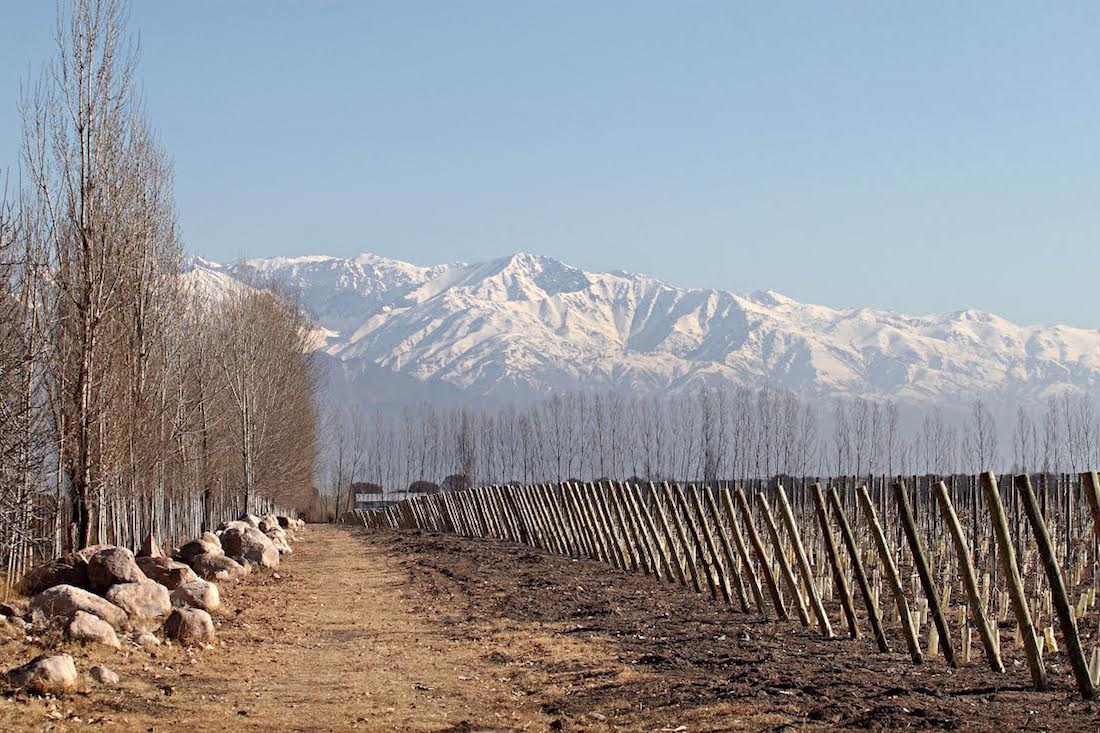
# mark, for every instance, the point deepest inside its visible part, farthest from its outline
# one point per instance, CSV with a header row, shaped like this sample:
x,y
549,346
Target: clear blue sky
x,y
918,156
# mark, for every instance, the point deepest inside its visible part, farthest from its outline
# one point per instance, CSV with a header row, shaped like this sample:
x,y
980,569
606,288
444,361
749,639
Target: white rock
x,y
197,594
85,627
251,544
145,599
65,600
189,626
45,675
104,676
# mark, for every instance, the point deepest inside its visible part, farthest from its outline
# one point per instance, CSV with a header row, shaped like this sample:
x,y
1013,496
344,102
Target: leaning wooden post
x,y
781,558
727,551
1090,484
1013,580
660,557
761,556
681,536
804,565
970,583
673,551
712,547
701,563
920,561
834,562
742,551
891,574
1057,588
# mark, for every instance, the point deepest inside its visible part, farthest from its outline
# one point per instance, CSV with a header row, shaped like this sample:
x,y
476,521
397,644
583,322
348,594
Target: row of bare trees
x,y
713,434
130,402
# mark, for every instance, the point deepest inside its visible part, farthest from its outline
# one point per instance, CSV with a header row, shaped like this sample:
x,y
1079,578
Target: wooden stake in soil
x,y
781,558
887,559
762,557
970,584
1013,580
727,551
712,547
1090,484
742,550
804,565
681,534
1057,588
857,566
920,561
834,563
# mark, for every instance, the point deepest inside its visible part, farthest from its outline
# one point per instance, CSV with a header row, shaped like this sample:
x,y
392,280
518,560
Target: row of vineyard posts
x,y
953,557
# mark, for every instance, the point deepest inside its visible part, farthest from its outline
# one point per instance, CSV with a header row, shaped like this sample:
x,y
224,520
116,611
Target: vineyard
x,y
967,570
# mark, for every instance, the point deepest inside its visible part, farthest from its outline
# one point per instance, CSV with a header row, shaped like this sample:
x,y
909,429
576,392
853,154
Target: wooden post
x,y
761,556
681,535
920,562
712,547
887,560
834,562
804,565
666,530
1057,588
727,551
702,560
625,530
970,583
662,566
1013,580
1090,484
742,551
781,558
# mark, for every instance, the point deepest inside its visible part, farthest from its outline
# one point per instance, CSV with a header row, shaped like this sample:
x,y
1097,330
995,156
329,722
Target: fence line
x,y
1042,570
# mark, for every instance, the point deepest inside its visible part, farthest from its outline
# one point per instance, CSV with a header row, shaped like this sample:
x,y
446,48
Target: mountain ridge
x,y
524,324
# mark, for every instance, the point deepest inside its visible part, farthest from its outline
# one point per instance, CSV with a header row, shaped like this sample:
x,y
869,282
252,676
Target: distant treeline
x,y
128,404
714,434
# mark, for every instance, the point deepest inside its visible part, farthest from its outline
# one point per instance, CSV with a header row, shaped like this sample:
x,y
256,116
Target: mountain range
x,y
521,326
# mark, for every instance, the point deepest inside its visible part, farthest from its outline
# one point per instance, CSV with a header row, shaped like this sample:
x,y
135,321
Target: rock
x,y
189,626
231,524
150,548
85,627
217,567
104,676
145,640
201,546
197,594
90,550
284,521
167,572
111,566
212,539
144,599
66,600
251,519
251,544
267,525
45,675
278,538
70,569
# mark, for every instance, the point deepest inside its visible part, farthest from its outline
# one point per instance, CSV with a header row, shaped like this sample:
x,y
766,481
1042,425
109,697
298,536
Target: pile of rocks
x,y
102,591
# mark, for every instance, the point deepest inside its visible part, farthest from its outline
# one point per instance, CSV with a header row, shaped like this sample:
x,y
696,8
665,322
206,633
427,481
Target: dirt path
x,y
424,632
333,643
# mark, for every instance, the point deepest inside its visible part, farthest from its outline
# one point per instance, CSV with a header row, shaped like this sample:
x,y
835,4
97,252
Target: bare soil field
x,y
425,632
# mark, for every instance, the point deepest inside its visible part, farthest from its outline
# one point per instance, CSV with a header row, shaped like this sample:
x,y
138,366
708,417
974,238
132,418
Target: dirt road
x,y
418,632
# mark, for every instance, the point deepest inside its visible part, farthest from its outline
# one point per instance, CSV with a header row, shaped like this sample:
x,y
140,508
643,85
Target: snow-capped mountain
x,y
519,326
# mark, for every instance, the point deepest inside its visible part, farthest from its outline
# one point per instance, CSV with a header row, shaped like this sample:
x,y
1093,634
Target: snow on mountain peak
x,y
524,324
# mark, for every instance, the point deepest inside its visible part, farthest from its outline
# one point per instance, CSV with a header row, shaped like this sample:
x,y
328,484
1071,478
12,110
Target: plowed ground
x,y
423,632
